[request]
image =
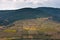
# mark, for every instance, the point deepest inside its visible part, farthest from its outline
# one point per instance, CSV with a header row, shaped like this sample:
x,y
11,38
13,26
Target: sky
x,y
18,4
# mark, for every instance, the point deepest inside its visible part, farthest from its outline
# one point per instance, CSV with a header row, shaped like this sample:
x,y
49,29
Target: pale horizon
x,y
18,4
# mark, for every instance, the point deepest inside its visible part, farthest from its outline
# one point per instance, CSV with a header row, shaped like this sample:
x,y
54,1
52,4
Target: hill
x,y
30,23
39,28
9,16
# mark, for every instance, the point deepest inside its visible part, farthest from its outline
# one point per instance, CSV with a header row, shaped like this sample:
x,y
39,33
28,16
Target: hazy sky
x,y
17,4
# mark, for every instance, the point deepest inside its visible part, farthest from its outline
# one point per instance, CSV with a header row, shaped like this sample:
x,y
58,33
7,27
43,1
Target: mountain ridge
x,y
28,13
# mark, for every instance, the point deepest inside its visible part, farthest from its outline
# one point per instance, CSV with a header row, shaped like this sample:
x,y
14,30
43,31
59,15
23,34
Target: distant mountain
x,y
10,16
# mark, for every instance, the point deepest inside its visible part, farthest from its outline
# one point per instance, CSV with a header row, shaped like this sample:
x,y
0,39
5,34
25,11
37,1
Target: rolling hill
x,y
39,23
9,16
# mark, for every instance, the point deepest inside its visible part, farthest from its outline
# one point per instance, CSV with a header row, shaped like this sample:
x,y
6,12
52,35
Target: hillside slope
x,y
39,28
9,16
